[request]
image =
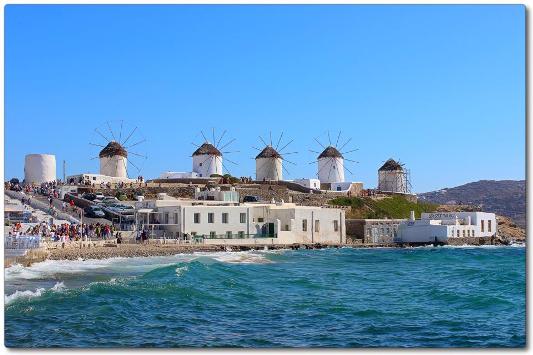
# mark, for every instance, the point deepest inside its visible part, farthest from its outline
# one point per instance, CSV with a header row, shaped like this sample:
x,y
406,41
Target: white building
x,y
440,227
179,175
39,168
114,160
216,194
330,166
310,183
392,178
268,165
207,160
217,222
97,179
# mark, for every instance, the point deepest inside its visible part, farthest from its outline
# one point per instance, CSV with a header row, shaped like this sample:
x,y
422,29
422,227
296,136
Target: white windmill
x,y
269,161
116,152
207,159
331,161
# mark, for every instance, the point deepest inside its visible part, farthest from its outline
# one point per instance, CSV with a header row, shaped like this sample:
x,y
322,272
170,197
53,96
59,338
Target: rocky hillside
x,y
503,197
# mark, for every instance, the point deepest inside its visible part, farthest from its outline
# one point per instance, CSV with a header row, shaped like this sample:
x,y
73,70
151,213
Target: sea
x,y
473,297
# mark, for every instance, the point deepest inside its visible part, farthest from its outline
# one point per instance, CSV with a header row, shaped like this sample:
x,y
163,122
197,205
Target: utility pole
x,y
64,170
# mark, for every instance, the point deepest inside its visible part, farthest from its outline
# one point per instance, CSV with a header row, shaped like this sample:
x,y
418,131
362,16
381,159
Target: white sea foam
x,y
56,269
31,294
237,257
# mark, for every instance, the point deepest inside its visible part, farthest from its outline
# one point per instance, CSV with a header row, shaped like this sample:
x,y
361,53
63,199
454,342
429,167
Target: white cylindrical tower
x,y
39,168
392,177
268,165
114,160
330,166
207,160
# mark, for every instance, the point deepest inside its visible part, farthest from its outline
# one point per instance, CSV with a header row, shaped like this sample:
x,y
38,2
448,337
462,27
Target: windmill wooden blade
x,y
133,145
139,155
338,137
350,151
98,145
344,145
220,139
100,133
203,135
319,143
279,141
225,145
110,130
286,145
129,136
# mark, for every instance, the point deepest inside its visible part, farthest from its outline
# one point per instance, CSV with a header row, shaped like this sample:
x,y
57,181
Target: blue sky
x,y
442,88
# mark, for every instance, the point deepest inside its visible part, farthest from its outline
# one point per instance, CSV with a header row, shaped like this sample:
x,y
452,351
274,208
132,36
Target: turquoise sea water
x,y
419,297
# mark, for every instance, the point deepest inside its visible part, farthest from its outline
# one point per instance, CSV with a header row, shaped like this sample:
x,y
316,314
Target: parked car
x,y
108,200
250,199
94,212
89,196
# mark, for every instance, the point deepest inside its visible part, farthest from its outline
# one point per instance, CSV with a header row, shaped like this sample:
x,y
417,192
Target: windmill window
x,y
201,164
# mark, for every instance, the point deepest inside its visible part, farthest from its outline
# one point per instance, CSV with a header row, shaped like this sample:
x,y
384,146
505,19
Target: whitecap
x,y
32,294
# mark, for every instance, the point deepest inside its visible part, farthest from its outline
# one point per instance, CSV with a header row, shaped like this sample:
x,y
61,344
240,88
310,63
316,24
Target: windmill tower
x,y
392,177
269,161
268,165
116,152
331,161
330,165
114,160
207,159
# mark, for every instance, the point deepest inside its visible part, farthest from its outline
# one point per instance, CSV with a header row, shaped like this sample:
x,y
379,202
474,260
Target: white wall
x,y
331,170
341,186
206,165
268,169
310,183
392,181
39,168
414,232
114,166
177,175
476,219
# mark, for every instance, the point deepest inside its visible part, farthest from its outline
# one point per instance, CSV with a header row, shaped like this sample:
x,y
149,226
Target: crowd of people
x,y
67,231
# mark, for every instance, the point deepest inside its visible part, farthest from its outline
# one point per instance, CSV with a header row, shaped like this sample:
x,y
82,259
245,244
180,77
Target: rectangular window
x,y
229,234
468,232
473,233
210,218
165,218
243,217
241,234
464,233
317,226
196,218
489,226
260,220
175,218
304,225
212,235
458,233
224,218
336,225
482,226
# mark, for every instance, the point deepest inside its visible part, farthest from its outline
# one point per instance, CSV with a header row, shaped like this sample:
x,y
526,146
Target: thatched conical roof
x,y
207,149
330,152
268,152
113,148
391,165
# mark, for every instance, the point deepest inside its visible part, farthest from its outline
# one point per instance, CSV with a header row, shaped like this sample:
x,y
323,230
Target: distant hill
x,y
503,197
